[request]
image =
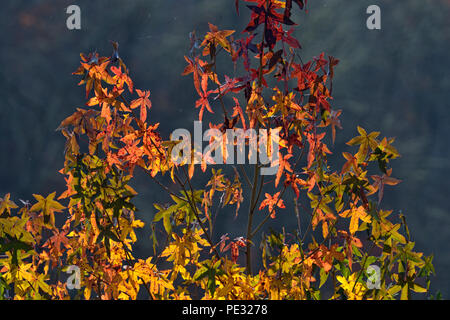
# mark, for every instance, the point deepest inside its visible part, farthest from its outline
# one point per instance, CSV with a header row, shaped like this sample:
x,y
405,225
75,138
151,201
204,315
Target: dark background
x,y
394,80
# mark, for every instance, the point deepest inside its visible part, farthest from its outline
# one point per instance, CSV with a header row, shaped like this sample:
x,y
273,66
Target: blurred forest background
x,y
394,80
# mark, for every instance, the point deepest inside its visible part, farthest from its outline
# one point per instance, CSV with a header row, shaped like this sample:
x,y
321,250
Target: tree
x,y
288,102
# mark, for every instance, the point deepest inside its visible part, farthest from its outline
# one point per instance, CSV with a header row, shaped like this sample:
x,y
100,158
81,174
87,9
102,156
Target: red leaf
x,y
143,102
272,201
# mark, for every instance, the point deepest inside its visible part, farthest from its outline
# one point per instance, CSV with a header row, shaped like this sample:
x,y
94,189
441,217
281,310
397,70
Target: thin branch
x,y
246,176
250,219
194,209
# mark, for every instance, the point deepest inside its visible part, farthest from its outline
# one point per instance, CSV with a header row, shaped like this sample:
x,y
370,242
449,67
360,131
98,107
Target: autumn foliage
x,y
339,227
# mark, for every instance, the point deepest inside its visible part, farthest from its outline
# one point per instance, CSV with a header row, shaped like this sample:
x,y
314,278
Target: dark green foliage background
x,y
394,80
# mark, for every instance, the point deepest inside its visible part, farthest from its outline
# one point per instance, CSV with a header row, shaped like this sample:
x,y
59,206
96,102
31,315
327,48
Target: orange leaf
x,y
272,201
143,102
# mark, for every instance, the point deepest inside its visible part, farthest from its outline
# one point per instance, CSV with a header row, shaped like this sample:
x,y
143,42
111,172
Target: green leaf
x,y
167,223
418,288
13,246
165,212
405,292
323,277
355,141
3,286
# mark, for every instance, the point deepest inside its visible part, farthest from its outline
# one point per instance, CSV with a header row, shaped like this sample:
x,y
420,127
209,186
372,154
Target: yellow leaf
x,y
6,204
